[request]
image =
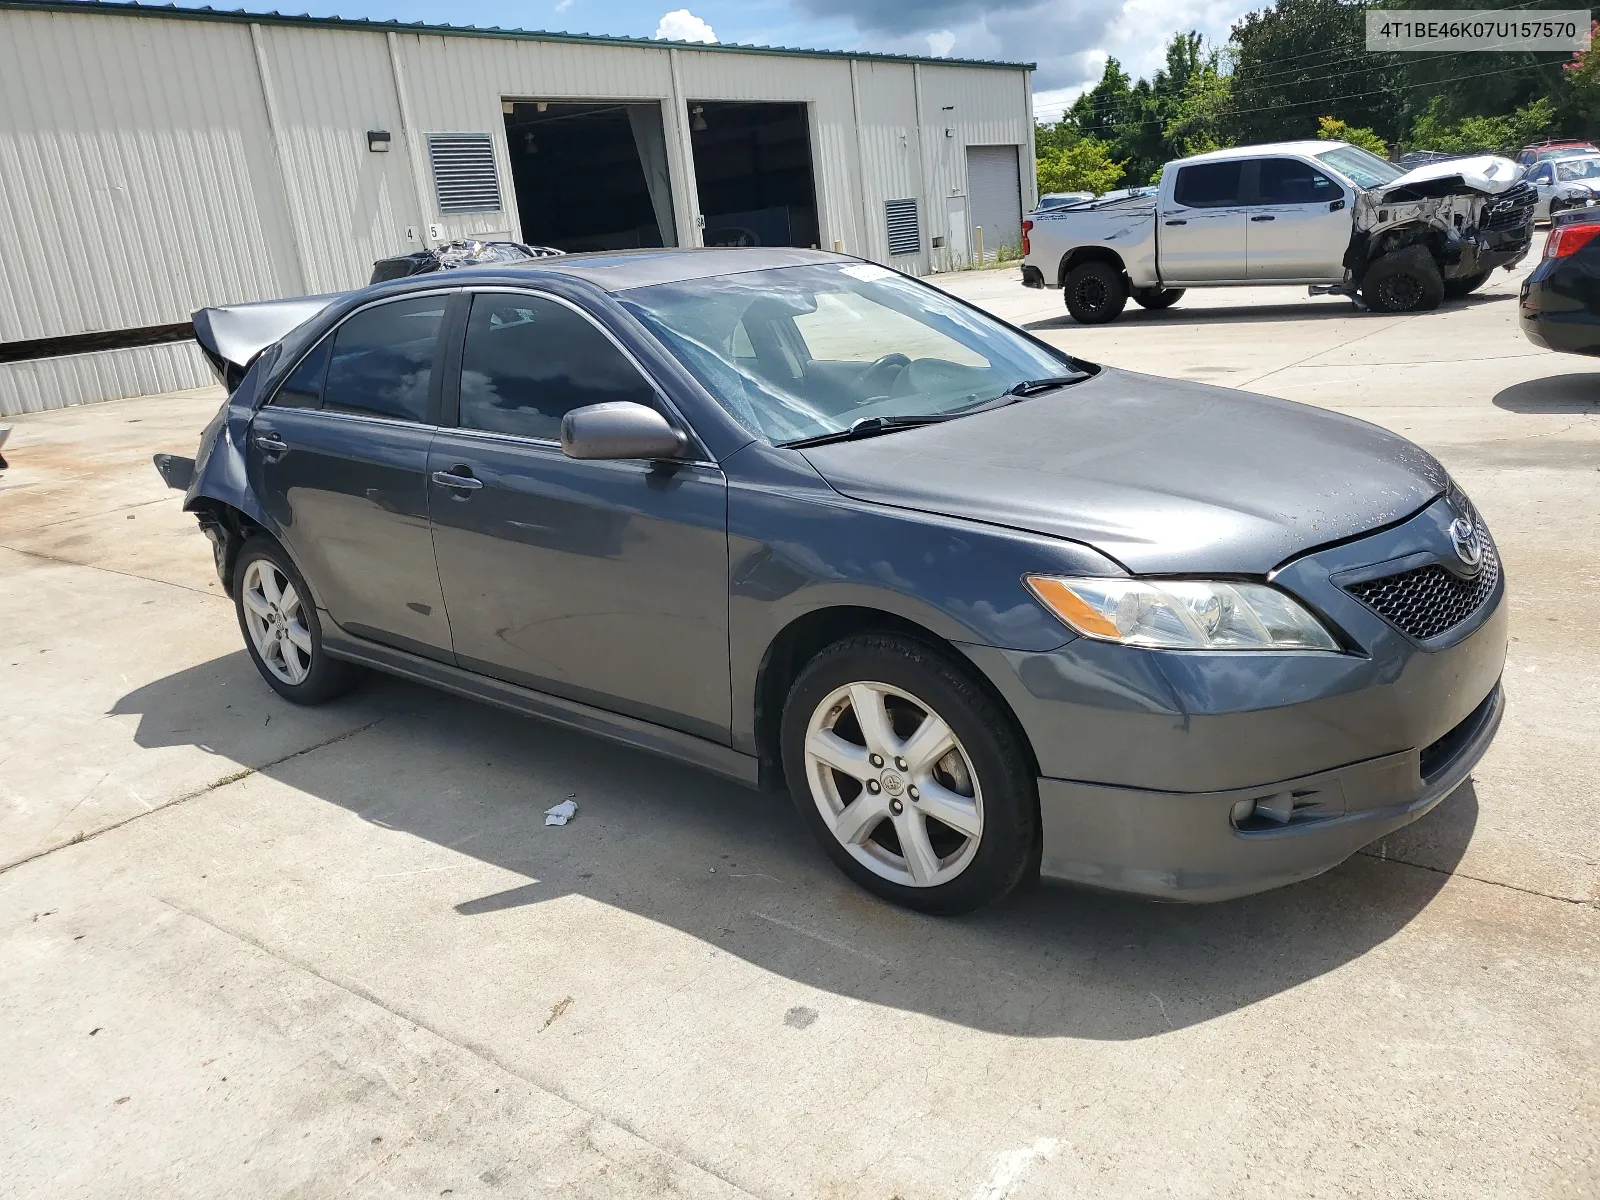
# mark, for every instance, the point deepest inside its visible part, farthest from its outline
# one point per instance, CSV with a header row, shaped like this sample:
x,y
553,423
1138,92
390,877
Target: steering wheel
x,y
896,362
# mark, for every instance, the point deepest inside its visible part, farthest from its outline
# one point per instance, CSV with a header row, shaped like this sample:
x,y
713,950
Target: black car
x,y
1560,304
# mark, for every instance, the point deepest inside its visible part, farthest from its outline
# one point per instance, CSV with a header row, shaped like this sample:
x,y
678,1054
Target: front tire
x,y
281,631
1096,292
1403,281
913,779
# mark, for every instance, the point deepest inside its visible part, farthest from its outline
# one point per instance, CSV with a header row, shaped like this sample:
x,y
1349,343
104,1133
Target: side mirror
x,y
620,429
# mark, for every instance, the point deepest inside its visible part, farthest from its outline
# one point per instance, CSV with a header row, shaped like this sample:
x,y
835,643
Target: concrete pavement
x,y
248,949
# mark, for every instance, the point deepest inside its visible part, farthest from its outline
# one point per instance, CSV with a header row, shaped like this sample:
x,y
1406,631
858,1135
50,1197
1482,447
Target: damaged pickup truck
x,y
1325,214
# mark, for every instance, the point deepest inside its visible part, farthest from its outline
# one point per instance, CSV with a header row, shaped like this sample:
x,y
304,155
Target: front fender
x,y
796,546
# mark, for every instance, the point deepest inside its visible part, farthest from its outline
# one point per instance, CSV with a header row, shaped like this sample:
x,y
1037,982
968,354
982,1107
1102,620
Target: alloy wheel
x,y
894,784
276,620
1400,293
1091,294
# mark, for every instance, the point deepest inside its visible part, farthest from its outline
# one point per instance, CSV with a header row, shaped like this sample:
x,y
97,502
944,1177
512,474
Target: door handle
x,y
1177,222
1264,217
1335,205
449,479
271,442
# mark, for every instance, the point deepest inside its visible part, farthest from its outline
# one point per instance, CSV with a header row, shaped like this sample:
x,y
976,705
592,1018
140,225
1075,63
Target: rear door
x,y
1202,225
604,582
1299,225
339,458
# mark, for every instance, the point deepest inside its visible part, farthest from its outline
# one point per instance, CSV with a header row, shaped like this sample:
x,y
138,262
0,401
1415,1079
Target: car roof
x,y
1565,158
622,270
1310,146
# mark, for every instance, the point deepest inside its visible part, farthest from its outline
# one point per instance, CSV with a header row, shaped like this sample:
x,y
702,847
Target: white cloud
x,y
941,43
1068,39
563,5
681,25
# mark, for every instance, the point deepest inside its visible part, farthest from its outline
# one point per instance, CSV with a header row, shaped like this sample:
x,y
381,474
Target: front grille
x,y
1512,208
1428,601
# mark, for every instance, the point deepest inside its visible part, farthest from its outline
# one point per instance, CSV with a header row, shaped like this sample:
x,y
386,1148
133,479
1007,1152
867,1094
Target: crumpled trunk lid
x,y
231,335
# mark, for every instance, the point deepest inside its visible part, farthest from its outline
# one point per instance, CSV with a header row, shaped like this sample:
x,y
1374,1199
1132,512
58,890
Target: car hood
x,y
1486,173
1162,475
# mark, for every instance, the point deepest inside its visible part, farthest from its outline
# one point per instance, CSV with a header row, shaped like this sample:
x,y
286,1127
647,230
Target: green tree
x,y
1099,111
1201,118
1481,135
1298,59
1084,166
1334,130
1581,78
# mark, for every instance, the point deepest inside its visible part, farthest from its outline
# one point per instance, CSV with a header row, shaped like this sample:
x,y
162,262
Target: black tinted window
x,y
303,388
1285,181
528,362
1208,185
383,359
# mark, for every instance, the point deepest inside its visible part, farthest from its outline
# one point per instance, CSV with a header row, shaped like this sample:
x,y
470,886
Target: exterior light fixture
x,y
698,125
378,141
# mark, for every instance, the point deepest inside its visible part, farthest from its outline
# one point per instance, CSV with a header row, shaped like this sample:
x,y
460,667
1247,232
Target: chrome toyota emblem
x,y
1469,546
893,784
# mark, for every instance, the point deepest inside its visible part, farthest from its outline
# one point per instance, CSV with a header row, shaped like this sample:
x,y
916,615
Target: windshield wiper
x,y
1032,387
866,427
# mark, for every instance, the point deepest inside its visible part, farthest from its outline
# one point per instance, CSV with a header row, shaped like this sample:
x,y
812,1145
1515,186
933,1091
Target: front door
x,y
604,582
1299,225
1200,237
339,457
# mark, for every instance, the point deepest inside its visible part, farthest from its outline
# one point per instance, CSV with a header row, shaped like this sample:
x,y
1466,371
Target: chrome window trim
x,y
333,330
670,409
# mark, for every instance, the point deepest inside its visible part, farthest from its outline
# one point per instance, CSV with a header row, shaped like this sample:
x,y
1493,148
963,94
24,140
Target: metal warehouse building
x,y
158,160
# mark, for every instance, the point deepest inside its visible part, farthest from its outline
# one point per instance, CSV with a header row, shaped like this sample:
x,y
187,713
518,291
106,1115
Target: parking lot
x,y
249,949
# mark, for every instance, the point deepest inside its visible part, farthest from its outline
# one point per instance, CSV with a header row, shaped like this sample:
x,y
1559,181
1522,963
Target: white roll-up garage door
x,y
996,193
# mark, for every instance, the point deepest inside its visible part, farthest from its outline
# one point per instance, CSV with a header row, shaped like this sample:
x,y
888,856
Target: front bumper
x,y
1142,755
1184,847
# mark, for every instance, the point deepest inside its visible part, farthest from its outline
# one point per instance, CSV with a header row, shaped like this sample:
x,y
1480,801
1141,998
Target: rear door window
x,y
1289,181
303,388
1208,185
383,358
529,361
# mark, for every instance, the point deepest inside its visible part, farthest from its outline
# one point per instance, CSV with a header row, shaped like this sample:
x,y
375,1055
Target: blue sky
x,y
1068,39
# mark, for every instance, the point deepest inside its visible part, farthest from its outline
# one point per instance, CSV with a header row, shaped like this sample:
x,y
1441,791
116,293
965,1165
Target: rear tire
x,y
278,618
1157,298
951,776
1405,280
1454,289
1096,292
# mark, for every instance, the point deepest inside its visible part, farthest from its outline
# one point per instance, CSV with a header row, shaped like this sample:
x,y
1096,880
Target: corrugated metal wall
x,y
150,166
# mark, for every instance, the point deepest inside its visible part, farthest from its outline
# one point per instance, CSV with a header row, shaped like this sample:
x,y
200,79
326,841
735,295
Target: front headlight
x,y
1182,614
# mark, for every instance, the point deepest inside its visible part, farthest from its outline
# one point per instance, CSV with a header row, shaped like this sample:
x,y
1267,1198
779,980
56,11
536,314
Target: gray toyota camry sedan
x,y
985,610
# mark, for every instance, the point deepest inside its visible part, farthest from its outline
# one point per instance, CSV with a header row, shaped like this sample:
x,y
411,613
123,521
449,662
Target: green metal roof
x,y
239,16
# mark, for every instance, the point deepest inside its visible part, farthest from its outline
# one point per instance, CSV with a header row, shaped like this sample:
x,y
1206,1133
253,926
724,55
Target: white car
x,y
1572,181
1328,215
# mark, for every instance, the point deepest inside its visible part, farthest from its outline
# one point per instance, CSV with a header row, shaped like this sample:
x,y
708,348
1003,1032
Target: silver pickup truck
x,y
1325,214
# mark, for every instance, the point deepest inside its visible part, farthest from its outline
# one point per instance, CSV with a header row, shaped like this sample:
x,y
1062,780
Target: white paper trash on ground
x,y
561,813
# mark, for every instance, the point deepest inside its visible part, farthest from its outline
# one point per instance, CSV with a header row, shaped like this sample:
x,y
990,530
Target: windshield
x,y
1583,168
803,352
1361,167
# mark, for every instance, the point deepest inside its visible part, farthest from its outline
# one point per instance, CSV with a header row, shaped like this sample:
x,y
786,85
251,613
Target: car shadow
x,y
738,870
1184,313
1577,393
